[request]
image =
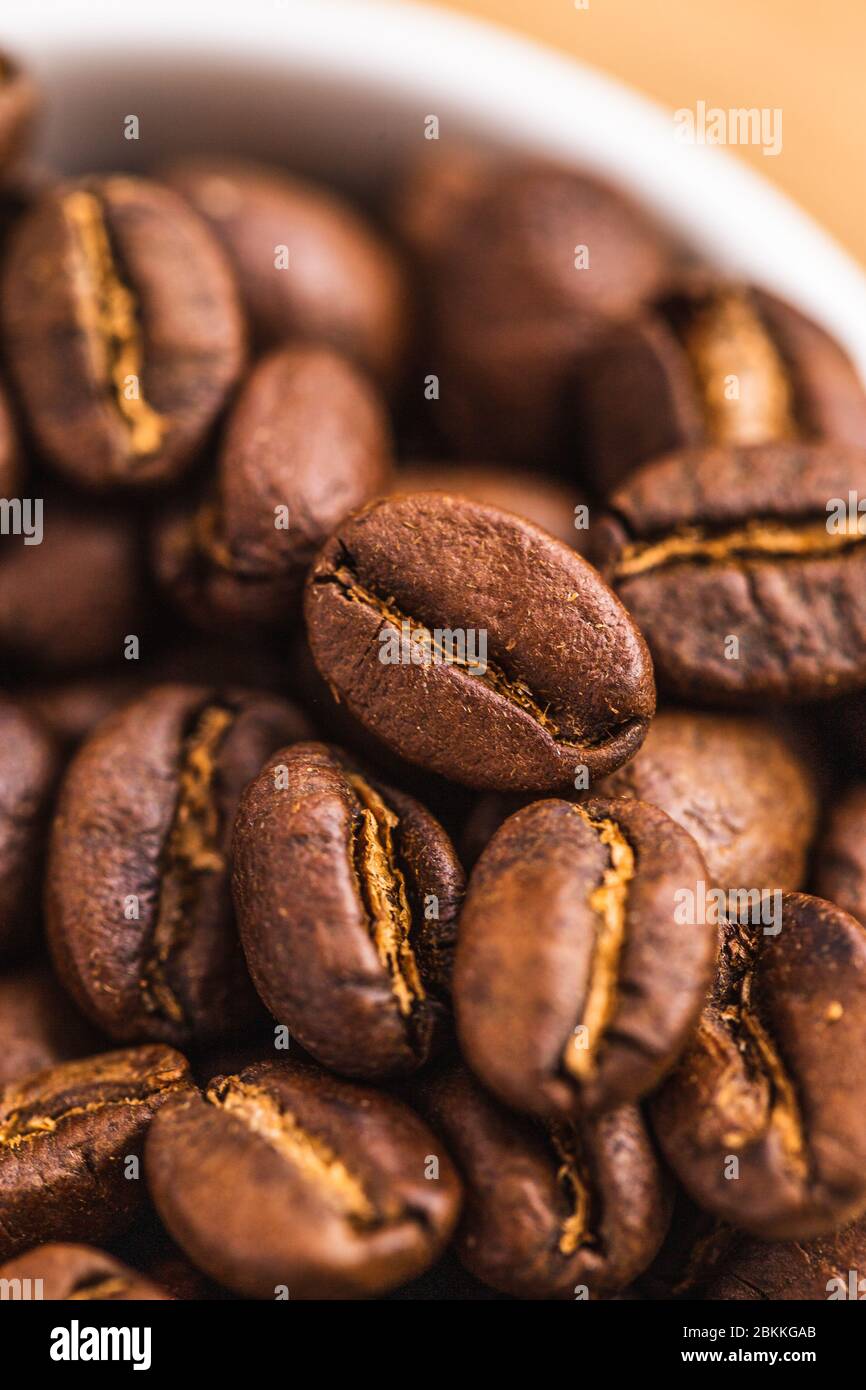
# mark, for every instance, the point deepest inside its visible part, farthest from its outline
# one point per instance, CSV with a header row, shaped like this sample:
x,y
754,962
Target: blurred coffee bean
x,y
310,269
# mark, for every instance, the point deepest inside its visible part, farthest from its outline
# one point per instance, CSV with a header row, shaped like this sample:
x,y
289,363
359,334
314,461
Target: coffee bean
x,y
729,561
67,1137
557,1211
664,381
72,600
696,1247
138,901
338,282
347,894
307,438
840,870
10,452
78,1273
740,786
831,1267
524,273
589,1006
18,104
546,503
123,330
39,1025
552,675
29,767
283,1181
763,1121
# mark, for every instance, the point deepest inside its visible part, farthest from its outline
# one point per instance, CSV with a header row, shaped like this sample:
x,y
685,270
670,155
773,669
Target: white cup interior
x,y
341,89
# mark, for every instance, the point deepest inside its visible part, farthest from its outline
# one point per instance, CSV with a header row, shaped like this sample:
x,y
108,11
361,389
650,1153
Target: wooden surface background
x,y
807,57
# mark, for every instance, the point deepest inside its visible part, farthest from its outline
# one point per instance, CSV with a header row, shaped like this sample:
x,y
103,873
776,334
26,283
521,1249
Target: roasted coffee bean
x,y
39,1024
309,438
18,103
283,1178
548,504
832,1267
79,1273
347,894
840,870
29,766
557,1211
10,452
67,1136
123,330
577,983
72,600
138,901
73,707
763,1120
662,382
738,784
732,564
477,646
523,274
696,1247
341,285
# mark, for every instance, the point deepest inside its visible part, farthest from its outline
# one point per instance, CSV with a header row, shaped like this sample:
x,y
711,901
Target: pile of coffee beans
x,y
432,745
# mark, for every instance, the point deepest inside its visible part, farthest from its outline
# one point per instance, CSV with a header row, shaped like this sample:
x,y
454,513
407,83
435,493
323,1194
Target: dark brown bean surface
x,y
81,1274
307,442
563,1211
566,681
39,1024
831,1267
67,1136
347,894
10,451
738,784
18,104
761,1120
342,284
716,363
138,901
840,869
285,1178
123,329
576,986
510,306
72,600
745,539
29,766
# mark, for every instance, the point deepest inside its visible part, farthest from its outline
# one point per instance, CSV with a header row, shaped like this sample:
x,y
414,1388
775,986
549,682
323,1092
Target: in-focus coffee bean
x,y
285,1182
477,646
138,901
551,1211
763,1121
70,1145
347,894
576,985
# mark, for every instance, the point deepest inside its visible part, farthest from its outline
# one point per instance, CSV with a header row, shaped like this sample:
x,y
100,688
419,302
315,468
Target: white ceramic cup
x,y
342,88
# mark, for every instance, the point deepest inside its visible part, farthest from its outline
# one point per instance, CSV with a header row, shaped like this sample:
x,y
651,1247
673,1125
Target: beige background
x,y
806,56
